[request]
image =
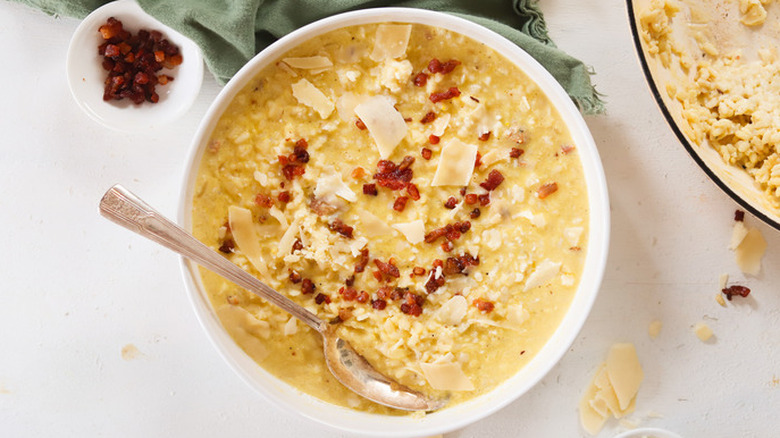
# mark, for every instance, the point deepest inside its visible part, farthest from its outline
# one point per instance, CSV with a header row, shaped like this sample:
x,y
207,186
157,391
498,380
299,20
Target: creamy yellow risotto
x,y
411,186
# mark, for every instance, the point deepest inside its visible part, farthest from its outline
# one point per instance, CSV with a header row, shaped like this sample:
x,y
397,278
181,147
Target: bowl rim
x,y
560,341
658,98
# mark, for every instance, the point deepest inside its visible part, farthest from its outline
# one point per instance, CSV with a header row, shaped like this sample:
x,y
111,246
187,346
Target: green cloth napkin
x,y
231,32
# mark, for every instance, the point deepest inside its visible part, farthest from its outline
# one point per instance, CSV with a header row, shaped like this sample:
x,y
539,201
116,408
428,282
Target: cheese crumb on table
x,y
654,329
703,331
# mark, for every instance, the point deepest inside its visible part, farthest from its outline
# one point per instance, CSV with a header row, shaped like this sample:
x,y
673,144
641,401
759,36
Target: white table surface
x,y
75,289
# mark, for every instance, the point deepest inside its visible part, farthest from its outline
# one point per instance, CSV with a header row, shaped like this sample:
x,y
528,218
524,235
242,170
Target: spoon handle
x,y
129,211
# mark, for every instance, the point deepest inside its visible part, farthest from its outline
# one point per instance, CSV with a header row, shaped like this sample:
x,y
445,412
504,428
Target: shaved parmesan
x,y
385,124
750,251
446,377
245,236
278,215
288,238
309,62
543,273
625,372
456,164
440,125
494,156
572,235
413,231
391,41
516,314
372,226
703,331
291,327
453,311
738,233
330,185
345,105
357,245
307,94
245,329
592,420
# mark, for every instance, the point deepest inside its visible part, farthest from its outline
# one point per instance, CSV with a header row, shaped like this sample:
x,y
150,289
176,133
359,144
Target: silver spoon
x,y
348,366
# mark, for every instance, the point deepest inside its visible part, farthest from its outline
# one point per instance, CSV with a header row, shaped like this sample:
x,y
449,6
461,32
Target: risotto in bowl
x,y
416,180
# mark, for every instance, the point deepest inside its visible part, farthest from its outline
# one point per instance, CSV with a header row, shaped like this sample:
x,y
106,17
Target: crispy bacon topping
x,y
284,197
264,200
736,289
428,118
413,192
340,227
475,213
433,139
484,136
362,261
412,304
450,231
359,123
739,215
363,297
436,66
418,271
307,287
348,293
400,203
451,203
322,298
427,153
494,179
420,79
471,199
447,246
370,189
227,246
295,277
516,153
452,92
478,161
484,200
379,304
297,246
484,306
358,173
387,269
394,177
547,190
290,171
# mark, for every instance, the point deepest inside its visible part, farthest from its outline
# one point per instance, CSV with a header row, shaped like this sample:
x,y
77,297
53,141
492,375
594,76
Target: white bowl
x,y
86,76
460,415
648,432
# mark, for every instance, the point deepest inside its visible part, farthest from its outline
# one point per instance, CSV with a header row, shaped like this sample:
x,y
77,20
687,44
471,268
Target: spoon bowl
x,y
346,364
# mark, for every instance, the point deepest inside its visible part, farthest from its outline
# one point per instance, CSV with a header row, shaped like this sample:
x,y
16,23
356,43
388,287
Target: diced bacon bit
x,y
417,272
394,177
566,149
362,261
284,197
297,246
358,173
232,299
447,246
547,190
484,306
400,203
348,293
350,280
227,246
345,314
290,171
474,99
434,283
736,289
322,298
471,199
452,92
516,153
370,189
451,203
494,179
428,118
475,213
300,154
484,200
295,277
484,136
391,293
420,79
388,269
340,227
307,287
413,192
575,248
379,304
462,191
427,153
363,297
436,66
264,200
459,264
478,160
359,123
433,139
412,304
450,231
739,215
